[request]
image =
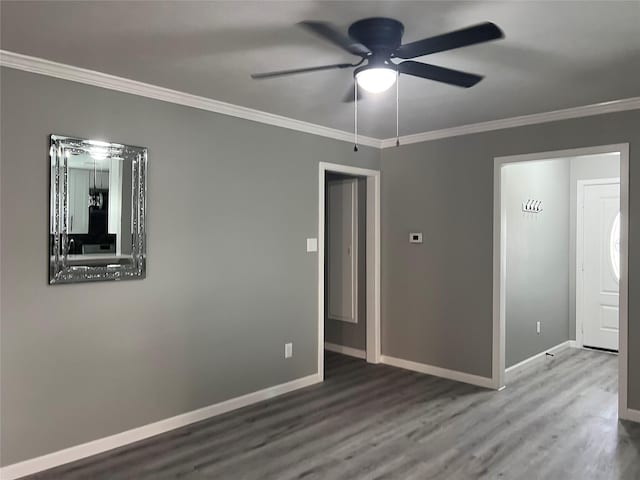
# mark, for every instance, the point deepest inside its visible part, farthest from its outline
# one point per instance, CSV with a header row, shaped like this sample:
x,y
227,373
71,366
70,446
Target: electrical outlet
x,y
415,237
288,350
538,328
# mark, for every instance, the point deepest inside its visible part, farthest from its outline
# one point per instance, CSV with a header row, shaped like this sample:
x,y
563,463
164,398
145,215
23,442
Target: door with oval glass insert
x,y
600,265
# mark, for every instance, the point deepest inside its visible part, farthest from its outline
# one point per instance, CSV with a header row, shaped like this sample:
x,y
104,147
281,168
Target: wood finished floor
x,y
555,420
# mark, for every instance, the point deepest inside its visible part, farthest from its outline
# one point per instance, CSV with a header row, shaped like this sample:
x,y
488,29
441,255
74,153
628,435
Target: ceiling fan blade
x,y
460,38
282,73
333,35
439,74
350,95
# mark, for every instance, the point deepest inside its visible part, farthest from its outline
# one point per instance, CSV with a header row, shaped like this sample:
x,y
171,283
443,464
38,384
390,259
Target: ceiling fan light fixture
x,y
376,79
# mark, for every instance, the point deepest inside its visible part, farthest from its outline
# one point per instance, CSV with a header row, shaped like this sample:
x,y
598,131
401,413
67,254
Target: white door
x,y
342,241
600,264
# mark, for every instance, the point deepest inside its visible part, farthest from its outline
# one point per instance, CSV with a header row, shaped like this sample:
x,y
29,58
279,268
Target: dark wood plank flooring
x,y
555,420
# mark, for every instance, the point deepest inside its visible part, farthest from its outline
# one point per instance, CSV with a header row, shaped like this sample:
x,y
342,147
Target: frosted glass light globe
x,y
376,80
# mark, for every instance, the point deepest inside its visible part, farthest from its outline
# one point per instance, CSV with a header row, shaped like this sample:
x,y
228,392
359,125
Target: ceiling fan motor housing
x,y
380,35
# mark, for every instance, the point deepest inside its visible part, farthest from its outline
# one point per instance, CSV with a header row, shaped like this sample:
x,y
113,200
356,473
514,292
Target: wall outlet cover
x,y
312,244
415,237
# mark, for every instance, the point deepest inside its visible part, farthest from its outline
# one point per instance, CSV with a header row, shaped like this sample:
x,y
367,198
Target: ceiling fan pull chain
x,y
397,108
355,121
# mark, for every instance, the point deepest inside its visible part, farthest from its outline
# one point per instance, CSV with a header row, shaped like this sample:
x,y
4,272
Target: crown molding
x,y
90,77
98,79
565,114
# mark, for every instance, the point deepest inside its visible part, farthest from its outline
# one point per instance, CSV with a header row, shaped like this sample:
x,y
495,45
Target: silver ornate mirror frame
x,y
60,269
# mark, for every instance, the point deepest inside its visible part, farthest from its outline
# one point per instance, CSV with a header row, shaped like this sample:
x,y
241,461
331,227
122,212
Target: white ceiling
x,y
556,54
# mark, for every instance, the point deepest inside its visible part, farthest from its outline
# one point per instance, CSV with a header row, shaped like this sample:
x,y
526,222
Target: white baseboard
x,y
630,414
553,350
352,352
485,382
574,344
100,445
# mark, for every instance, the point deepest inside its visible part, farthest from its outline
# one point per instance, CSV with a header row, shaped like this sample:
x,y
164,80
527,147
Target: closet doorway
x,y
348,262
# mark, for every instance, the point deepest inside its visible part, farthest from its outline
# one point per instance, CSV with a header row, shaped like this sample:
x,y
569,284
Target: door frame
x,y
499,262
372,255
580,249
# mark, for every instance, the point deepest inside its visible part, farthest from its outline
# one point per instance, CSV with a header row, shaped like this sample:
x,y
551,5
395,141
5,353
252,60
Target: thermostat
x,y
415,237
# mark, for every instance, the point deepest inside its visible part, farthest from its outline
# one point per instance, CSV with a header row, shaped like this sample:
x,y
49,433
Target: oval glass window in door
x,y
614,247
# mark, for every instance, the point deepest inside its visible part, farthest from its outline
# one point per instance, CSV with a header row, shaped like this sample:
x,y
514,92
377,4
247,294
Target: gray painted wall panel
x,y
228,281
537,270
437,299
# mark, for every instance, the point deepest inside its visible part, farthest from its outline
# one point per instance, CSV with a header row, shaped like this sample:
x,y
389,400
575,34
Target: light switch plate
x,y
312,244
415,237
288,350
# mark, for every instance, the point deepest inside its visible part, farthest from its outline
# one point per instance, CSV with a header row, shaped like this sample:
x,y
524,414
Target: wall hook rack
x,y
532,206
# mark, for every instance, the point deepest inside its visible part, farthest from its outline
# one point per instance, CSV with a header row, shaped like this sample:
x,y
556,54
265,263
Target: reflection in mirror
x,y
97,210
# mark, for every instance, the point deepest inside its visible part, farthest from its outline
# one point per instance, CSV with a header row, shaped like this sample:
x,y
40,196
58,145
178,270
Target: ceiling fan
x,y
377,41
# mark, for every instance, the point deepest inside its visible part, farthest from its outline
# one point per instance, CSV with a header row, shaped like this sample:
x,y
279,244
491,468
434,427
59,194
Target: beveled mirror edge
x,y
60,272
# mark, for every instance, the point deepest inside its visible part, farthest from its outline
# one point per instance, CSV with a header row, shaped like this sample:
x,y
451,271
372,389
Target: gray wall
x,y
228,281
537,269
80,362
437,299
584,168
353,335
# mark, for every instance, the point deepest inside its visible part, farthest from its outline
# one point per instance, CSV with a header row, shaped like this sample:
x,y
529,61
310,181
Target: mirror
x,y
97,211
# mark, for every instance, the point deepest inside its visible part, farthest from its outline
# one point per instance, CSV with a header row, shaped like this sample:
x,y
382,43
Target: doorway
x,y
355,253
345,265
610,208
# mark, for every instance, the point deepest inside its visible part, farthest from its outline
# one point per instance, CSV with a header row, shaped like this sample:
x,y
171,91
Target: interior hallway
x,y
555,420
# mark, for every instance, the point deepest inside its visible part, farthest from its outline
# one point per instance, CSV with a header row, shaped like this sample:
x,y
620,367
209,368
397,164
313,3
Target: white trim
x,y
94,447
98,79
580,249
372,254
623,360
438,371
91,77
499,259
552,350
355,249
373,265
630,414
621,105
344,350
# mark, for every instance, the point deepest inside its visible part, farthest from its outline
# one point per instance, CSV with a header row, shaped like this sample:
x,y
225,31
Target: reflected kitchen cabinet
x,y
78,219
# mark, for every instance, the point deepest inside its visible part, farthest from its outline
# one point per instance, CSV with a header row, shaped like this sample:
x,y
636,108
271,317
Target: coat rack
x,y
532,206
